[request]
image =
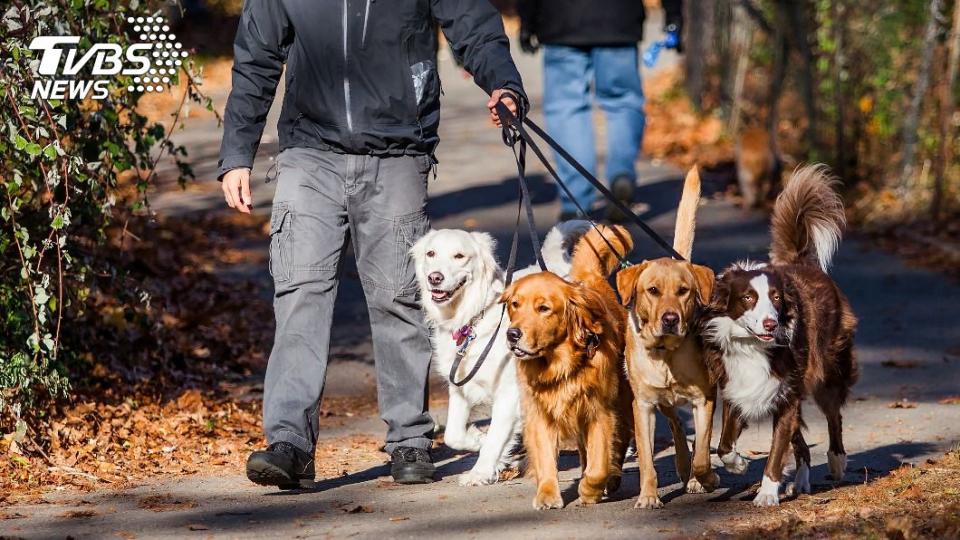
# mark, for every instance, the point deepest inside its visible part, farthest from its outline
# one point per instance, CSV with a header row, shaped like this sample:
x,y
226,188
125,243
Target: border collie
x,y
778,332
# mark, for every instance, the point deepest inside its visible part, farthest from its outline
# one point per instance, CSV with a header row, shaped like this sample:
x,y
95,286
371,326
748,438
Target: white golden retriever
x,y
460,282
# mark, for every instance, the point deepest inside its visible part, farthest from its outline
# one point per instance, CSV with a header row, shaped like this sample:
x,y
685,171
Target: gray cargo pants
x,y
324,200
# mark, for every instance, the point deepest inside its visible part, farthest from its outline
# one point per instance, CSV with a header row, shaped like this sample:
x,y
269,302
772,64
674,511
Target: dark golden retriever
x,y
568,341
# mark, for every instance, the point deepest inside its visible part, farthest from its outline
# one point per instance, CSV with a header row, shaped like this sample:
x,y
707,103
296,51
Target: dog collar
x,y
465,335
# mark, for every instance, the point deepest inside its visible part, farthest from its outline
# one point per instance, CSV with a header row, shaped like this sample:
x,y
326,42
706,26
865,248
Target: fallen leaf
x,y
198,527
952,400
127,535
356,509
165,503
902,404
79,514
901,364
399,518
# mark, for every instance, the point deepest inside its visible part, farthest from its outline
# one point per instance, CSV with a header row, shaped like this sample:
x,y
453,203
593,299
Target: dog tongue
x,y
438,295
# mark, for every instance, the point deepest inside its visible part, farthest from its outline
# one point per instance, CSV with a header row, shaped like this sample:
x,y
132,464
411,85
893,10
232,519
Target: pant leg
x,y
308,234
569,118
386,204
620,95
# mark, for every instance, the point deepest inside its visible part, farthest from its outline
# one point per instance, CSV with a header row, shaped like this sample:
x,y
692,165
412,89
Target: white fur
x,y
826,240
751,386
769,493
838,465
475,281
735,463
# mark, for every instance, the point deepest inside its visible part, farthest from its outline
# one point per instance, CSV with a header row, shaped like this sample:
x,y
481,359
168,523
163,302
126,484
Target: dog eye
x,y
747,298
514,304
653,290
458,256
543,309
682,291
431,253
776,297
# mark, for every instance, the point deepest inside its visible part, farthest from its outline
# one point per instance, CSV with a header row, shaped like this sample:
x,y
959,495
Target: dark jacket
x,y
361,74
587,23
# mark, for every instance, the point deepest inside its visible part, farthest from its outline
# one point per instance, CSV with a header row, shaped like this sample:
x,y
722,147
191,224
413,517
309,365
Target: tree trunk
x,y
912,120
838,15
741,37
698,34
945,151
800,42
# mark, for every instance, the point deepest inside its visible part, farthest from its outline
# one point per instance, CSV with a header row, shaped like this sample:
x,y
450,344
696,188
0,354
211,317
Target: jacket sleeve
x,y
673,11
259,50
528,11
475,31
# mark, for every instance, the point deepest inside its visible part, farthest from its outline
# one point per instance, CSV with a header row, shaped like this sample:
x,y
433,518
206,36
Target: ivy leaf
x,y
50,152
19,142
34,149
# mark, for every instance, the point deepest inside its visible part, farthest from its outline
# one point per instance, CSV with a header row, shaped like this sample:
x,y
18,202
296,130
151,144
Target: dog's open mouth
x,y
521,354
439,296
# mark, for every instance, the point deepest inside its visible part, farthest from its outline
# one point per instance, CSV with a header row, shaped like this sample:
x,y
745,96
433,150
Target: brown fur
x,y
817,357
758,168
572,375
664,361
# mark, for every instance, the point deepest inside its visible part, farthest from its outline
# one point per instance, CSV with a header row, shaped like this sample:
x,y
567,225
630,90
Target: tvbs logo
x,y
69,73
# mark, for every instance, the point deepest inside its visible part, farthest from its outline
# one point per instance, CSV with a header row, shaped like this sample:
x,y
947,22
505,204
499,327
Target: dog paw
x,y
838,465
769,493
478,478
734,463
705,484
801,482
470,441
648,502
547,501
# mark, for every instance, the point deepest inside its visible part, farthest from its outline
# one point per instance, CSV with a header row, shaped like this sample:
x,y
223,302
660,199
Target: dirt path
x,y
905,316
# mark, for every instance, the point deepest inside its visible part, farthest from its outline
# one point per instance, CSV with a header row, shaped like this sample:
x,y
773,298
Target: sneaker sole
x,y
267,474
414,475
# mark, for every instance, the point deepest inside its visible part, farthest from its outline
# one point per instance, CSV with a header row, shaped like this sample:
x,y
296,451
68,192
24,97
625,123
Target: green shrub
x,y
59,164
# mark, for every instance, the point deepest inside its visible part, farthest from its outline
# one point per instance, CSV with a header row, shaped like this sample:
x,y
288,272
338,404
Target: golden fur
x,y
569,361
664,357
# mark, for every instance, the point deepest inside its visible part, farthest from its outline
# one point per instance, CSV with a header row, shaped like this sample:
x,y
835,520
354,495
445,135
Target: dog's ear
x,y
486,250
720,297
584,315
419,249
507,294
705,280
627,281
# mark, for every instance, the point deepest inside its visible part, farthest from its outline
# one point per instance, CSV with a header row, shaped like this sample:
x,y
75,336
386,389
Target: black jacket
x,y
361,74
586,23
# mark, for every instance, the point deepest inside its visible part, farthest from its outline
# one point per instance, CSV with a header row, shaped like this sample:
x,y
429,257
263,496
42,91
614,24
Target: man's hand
x,y
508,98
236,189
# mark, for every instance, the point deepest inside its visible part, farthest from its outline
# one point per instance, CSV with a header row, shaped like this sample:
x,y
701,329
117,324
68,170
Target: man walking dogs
x,y
357,134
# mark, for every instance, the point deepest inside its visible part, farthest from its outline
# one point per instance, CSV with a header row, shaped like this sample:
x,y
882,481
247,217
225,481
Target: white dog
x,y
460,282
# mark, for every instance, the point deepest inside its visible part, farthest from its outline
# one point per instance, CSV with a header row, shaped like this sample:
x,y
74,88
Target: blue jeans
x,y
615,77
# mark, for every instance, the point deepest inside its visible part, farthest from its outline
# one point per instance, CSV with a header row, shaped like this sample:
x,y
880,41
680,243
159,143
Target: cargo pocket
x,y
281,242
408,228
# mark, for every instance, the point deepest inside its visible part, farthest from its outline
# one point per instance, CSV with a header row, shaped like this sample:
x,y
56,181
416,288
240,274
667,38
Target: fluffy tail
x,y
807,219
558,245
595,258
686,226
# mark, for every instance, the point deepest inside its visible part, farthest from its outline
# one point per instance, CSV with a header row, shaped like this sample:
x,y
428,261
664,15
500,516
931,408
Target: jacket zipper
x,y
366,18
346,72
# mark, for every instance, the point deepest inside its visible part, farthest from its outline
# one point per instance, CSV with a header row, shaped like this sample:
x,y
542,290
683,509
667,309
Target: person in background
x,y
593,44
358,131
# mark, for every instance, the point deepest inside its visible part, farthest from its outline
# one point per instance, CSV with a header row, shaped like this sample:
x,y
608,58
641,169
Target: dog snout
x,y
514,335
435,278
670,319
770,324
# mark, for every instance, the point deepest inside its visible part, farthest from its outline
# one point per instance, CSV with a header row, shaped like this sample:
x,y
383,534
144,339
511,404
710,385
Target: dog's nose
x,y
514,335
770,325
670,319
435,278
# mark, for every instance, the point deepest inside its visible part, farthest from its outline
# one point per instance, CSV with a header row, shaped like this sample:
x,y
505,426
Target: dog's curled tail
x,y
808,218
593,256
686,226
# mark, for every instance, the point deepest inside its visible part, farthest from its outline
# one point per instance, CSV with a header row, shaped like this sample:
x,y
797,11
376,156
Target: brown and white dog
x,y
781,331
664,358
567,337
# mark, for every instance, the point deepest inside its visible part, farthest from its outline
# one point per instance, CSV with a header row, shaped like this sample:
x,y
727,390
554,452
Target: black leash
x,y
517,138
525,202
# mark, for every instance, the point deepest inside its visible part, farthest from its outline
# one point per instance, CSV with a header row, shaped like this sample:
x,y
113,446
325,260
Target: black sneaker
x,y
283,465
623,188
411,465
